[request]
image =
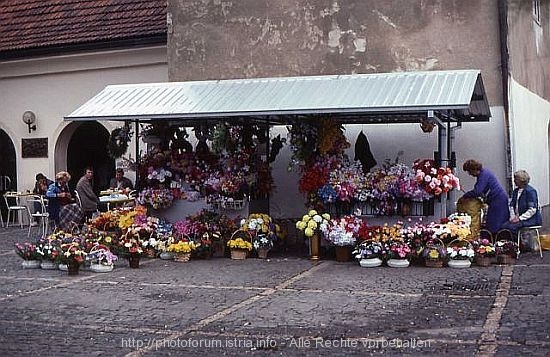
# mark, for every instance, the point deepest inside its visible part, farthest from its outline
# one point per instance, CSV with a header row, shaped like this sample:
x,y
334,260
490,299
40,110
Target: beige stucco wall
x,y
53,87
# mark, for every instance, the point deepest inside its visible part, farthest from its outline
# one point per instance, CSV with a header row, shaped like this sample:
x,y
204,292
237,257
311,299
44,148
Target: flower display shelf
x,y
398,263
343,253
48,265
370,262
101,268
459,263
182,257
239,254
30,264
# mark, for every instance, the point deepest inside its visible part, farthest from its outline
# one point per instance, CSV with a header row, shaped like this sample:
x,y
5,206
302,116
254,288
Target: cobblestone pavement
x,y
285,306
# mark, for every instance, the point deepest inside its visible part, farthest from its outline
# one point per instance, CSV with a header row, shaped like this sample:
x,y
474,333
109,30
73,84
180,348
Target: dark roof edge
x,y
83,46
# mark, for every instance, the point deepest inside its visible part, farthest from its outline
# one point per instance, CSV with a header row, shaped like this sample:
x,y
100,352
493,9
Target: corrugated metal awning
x,y
360,98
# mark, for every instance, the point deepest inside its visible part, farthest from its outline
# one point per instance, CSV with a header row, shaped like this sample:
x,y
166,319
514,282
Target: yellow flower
x,y
312,224
309,232
306,218
433,254
311,213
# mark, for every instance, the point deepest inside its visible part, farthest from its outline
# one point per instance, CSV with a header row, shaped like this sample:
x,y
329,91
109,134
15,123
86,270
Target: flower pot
x,y
405,208
315,247
239,254
343,253
262,253
398,263
182,257
73,268
133,261
62,267
48,265
370,262
483,261
434,263
459,263
218,249
30,264
101,268
167,256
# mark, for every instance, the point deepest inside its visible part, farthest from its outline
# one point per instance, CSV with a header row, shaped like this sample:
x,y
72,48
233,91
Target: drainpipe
x,y
505,75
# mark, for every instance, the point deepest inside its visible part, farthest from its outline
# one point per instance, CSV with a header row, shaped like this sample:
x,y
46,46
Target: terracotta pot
x,y
343,253
73,268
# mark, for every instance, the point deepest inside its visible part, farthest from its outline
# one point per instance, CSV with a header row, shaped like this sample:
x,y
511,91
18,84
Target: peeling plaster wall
x,y
214,39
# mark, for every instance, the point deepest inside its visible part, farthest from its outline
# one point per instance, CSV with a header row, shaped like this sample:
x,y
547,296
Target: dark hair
x,y
40,176
472,165
88,168
119,170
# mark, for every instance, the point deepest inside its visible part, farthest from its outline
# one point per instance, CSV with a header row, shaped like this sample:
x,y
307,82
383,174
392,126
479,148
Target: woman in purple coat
x,y
489,189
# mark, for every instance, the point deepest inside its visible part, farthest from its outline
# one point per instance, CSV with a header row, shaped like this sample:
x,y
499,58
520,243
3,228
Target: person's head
x,y
119,174
472,167
521,178
40,176
89,173
62,177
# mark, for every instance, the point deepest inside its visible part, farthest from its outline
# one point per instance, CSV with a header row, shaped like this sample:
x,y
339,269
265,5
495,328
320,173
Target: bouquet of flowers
x,y
434,250
156,198
369,249
100,254
342,231
239,243
506,247
484,248
398,249
435,180
182,247
313,222
27,251
71,253
48,250
130,245
460,250
262,241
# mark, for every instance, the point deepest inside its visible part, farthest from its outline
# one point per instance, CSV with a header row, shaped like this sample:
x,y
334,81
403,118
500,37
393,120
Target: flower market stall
x,y
248,107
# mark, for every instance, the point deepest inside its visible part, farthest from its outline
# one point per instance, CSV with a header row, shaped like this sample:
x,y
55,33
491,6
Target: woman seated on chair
x,y
58,195
524,205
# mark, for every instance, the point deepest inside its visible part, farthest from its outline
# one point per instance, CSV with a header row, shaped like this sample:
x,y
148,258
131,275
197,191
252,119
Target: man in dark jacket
x,y
88,198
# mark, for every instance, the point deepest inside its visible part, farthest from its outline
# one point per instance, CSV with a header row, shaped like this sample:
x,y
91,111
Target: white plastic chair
x,y
13,204
78,200
41,214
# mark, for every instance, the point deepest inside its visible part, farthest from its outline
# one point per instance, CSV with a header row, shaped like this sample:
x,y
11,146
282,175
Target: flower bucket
x,y
315,247
343,253
398,263
73,268
182,257
262,253
133,261
239,254
30,264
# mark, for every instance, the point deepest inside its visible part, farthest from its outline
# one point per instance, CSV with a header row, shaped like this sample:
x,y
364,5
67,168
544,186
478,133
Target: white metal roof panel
x,y
361,94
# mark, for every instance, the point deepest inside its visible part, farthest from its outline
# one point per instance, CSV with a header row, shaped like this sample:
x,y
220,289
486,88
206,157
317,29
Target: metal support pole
x,y
137,186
